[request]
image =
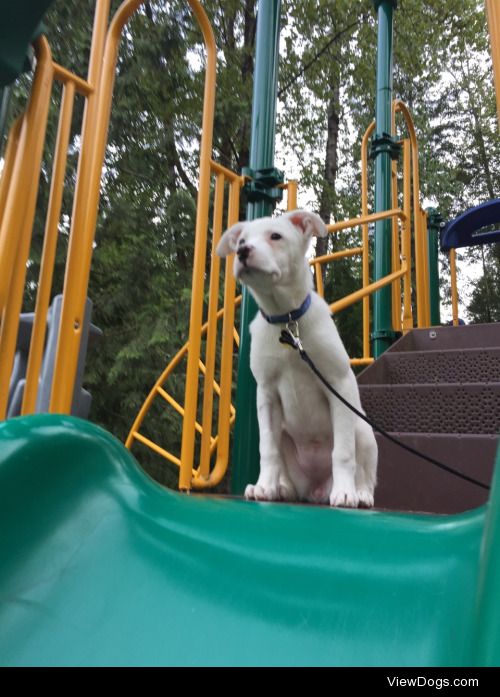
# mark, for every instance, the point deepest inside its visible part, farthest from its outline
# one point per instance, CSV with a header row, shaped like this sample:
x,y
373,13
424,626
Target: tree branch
x,y
309,63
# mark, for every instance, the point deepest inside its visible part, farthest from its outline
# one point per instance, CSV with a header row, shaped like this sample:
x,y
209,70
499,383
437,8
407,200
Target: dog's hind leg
x,y
366,458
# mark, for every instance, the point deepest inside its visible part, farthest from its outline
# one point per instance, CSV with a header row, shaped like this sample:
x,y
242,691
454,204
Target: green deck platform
x,y
101,566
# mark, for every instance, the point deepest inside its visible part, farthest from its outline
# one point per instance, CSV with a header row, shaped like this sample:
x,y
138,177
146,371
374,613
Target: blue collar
x,y
292,316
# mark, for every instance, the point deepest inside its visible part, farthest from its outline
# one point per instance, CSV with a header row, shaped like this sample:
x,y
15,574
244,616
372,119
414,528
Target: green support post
x,y
246,437
383,150
434,221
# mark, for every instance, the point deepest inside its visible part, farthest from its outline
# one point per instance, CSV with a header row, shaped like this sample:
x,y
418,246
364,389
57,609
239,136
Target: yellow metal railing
x,y
214,371
402,219
18,195
18,192
453,283
218,350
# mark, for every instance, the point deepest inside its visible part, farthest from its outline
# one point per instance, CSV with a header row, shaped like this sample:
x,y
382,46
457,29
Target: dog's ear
x,y
227,243
309,223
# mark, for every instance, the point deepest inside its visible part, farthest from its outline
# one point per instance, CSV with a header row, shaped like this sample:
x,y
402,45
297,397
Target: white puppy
x,y
312,448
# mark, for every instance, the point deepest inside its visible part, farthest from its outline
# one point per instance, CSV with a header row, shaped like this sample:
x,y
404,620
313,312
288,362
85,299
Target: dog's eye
x,y
240,242
276,236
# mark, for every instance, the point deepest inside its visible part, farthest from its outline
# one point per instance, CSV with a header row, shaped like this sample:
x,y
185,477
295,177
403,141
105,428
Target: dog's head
x,y
270,250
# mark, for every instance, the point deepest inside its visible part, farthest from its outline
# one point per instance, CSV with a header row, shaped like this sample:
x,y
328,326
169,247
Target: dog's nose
x,y
244,252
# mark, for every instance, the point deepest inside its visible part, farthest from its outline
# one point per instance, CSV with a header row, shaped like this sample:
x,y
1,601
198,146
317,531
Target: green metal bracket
x,y
434,217
263,185
385,143
377,3
387,335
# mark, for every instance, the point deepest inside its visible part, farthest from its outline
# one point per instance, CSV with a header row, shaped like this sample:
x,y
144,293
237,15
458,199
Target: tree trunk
x,y
327,202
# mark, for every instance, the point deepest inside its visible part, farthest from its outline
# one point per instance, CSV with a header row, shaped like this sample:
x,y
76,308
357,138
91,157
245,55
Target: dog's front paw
x,y
344,498
258,492
271,490
365,497
287,490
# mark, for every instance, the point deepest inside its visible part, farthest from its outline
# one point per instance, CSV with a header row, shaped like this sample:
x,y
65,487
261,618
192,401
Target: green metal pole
x,y
383,149
265,89
434,221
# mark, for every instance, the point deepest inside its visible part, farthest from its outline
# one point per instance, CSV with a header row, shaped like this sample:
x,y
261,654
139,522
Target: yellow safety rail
x,y
218,350
453,282
18,195
402,219
18,192
214,372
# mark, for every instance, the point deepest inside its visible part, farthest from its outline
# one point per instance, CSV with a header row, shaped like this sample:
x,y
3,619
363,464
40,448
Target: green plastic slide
x,y
102,566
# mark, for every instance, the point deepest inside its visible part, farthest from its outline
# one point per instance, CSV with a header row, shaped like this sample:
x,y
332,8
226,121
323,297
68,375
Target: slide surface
x,y
99,565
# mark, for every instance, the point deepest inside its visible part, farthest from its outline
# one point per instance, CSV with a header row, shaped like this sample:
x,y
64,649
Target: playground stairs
x,y
437,390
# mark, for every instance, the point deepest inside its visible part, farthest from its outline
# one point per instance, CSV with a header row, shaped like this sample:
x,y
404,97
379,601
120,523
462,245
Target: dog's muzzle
x,y
243,253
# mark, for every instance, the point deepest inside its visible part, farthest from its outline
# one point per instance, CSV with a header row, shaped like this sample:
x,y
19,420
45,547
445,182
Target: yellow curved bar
x,y
156,448
66,76
17,222
195,319
49,251
83,221
425,263
87,201
320,287
453,282
15,206
224,422
213,297
163,378
420,260
291,188
227,173
152,394
406,237
358,294
325,258
362,361
371,218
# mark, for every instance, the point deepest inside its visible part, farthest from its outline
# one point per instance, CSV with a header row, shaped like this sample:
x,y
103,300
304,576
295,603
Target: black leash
x,y
293,340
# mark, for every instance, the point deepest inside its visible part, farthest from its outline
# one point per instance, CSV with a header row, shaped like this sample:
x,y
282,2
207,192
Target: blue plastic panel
x,y
460,232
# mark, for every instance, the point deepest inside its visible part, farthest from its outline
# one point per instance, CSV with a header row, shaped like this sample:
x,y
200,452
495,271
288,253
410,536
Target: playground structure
x,y
105,484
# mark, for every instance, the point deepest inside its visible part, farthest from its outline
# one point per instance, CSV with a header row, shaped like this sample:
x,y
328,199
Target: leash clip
x,y
290,335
